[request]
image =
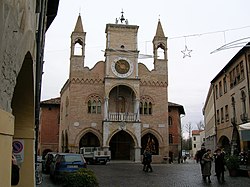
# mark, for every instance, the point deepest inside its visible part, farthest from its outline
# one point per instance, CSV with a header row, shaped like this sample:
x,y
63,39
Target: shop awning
x,y
245,131
245,126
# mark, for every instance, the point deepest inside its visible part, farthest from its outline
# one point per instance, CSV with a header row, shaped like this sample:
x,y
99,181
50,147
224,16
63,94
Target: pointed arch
x,y
129,132
154,132
85,131
122,144
149,141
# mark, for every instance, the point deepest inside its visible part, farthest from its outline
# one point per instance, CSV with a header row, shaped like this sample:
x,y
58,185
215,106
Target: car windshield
x,y
72,158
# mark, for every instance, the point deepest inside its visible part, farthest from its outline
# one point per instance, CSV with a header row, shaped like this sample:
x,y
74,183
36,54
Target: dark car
x,y
47,161
64,163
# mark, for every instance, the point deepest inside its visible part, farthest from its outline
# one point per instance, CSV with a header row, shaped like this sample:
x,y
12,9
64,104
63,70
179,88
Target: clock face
x,y
122,67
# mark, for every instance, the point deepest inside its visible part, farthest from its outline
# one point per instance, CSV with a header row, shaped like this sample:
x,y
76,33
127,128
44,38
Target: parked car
x,y
64,163
47,161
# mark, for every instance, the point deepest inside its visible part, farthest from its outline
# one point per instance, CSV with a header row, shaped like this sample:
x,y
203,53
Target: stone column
x,y
106,106
137,154
106,134
137,109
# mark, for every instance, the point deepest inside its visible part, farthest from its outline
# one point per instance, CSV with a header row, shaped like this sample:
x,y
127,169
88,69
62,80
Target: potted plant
x,y
233,164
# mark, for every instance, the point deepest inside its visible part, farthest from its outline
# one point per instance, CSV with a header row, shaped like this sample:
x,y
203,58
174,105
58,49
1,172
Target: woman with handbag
x,y
207,158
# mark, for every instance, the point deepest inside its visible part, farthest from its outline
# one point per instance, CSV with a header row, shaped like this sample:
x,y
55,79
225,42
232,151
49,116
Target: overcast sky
x,y
202,26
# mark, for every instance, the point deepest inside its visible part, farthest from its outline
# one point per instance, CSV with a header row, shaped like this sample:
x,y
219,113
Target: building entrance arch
x,y
89,140
224,143
122,146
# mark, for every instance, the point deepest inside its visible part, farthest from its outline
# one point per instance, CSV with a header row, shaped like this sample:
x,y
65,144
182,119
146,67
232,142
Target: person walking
x,y
144,161
148,160
219,165
207,159
199,156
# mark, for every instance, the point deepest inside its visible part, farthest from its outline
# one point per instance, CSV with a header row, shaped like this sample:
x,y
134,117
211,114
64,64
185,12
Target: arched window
x,y
94,104
146,105
171,140
78,49
243,99
145,108
160,53
233,106
169,120
93,107
99,104
150,108
141,105
67,105
89,106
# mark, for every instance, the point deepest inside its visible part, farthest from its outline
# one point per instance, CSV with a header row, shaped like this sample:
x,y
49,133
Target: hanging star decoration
x,y
186,52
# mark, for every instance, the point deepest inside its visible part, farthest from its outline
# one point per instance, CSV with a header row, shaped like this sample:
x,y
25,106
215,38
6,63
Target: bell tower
x,y
77,53
160,50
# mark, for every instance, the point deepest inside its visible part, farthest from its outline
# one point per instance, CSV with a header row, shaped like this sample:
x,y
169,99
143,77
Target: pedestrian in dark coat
x,y
219,165
148,160
199,156
144,161
207,158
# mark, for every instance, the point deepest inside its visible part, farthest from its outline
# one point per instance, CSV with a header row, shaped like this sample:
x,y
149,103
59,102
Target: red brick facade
x,y
175,111
119,104
49,125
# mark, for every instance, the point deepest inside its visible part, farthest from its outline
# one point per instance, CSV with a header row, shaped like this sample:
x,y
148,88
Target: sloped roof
x,y
52,101
180,107
79,27
232,61
159,30
196,132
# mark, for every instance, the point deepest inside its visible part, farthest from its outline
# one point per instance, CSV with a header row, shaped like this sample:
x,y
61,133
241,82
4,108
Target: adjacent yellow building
x,y
226,112
23,25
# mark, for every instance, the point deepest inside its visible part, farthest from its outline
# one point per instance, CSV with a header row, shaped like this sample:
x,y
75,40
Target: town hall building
x,y
119,104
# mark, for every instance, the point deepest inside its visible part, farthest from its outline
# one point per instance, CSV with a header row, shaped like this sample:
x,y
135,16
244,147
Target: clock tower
x,y
122,85
121,50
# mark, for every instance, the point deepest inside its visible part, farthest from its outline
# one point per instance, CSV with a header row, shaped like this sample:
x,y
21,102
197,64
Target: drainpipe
x,y
215,117
247,76
39,69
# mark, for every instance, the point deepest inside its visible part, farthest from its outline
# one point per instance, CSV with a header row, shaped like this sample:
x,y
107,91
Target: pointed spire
x,y
159,30
79,27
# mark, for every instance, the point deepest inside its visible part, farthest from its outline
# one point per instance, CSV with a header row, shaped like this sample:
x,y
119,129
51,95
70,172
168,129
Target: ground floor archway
x,y
89,140
150,138
122,146
224,143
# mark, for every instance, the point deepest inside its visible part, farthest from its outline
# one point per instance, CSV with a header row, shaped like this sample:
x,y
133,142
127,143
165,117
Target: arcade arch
x,y
122,146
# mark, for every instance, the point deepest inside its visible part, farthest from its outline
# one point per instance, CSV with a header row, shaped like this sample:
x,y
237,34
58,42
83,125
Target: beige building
x,y
226,111
198,139
23,25
210,121
119,104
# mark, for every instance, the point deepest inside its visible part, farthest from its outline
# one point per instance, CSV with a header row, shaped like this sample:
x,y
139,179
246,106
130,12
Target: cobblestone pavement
x,y
118,174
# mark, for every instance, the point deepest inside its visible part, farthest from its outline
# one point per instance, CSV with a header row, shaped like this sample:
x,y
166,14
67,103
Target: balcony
x,y
128,117
244,117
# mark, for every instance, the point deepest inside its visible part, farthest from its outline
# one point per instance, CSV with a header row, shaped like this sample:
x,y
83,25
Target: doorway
x,y
122,146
